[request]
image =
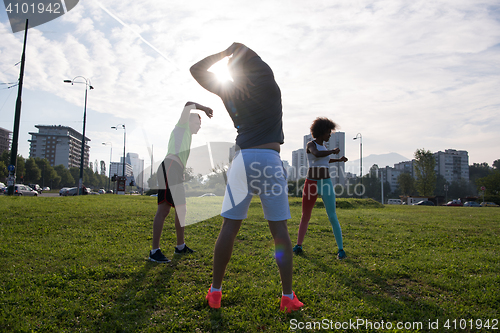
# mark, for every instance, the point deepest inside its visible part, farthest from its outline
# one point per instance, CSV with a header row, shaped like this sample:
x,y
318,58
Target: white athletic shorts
x,y
256,172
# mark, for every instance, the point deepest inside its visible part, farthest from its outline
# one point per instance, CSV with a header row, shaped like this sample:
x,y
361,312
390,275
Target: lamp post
x,y
124,136
87,85
110,159
360,155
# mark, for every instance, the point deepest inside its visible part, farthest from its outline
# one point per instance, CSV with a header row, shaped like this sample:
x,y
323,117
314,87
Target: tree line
x,y
39,171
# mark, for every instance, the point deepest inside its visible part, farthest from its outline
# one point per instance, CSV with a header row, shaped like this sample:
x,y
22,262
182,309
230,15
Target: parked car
x,y
63,190
471,204
454,203
425,203
394,202
488,204
36,187
207,195
46,188
24,190
74,191
102,191
3,188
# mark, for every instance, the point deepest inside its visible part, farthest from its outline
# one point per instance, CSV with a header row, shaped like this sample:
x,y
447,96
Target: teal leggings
x,y
312,188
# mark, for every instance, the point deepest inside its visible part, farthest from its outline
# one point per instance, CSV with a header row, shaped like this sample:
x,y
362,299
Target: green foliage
x,y
424,172
3,170
296,187
491,182
406,184
33,173
372,184
479,170
20,169
78,264
67,179
48,175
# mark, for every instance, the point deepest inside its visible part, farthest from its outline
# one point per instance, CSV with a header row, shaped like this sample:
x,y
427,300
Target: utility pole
x,y
17,119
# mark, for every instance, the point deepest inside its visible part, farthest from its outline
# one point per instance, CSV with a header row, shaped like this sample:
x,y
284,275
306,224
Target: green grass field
x,y
78,264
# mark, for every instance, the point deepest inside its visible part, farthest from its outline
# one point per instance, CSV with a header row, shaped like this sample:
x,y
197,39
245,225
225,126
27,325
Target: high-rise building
x,y
137,167
452,164
337,169
4,140
299,165
59,145
116,168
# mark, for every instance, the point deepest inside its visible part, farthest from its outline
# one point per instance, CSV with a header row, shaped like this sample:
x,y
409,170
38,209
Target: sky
x,y
407,75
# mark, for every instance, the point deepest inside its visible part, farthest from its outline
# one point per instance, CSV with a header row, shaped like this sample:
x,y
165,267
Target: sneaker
x,y
185,250
213,298
158,257
290,305
297,249
341,255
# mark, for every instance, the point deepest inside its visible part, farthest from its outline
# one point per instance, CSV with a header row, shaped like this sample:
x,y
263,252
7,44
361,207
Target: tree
x,y
33,173
406,184
5,157
67,179
3,170
459,189
440,184
424,171
75,173
491,182
20,170
48,175
477,171
496,164
371,183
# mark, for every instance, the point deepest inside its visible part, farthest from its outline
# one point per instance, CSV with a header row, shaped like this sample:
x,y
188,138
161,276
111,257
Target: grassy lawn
x,y
71,264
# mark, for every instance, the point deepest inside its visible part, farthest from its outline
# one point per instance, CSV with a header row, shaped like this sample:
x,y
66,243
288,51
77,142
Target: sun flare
x,y
221,71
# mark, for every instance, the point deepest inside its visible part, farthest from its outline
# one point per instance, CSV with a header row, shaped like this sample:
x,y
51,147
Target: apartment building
x,y
59,145
5,140
452,164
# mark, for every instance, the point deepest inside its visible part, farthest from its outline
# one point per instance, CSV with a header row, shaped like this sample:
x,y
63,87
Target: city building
x,y
59,145
391,176
116,168
299,165
5,140
406,166
452,164
137,167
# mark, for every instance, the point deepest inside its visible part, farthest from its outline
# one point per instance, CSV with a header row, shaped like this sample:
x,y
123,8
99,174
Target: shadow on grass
x,y
134,305
219,324
394,297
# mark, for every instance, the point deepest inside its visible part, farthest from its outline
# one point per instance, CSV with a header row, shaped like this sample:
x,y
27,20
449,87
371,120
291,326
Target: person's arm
x,y
342,159
208,111
311,147
206,79
192,106
209,81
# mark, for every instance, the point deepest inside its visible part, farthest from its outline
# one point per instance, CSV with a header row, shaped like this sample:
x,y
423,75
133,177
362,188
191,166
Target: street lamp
x,y
360,155
110,159
124,135
87,85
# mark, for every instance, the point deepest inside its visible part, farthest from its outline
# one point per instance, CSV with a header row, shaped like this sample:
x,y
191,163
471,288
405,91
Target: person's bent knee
x,y
163,209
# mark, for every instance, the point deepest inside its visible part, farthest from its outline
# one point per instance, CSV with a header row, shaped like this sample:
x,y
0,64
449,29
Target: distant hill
x,y
381,160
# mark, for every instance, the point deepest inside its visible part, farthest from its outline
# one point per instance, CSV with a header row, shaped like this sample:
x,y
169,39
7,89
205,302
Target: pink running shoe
x,y
290,305
213,298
